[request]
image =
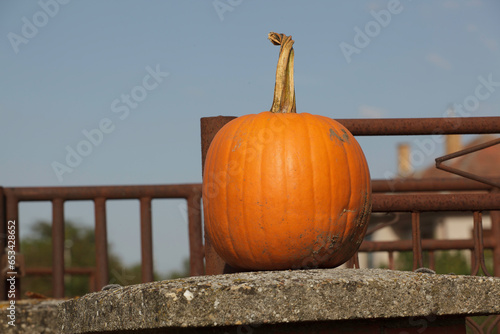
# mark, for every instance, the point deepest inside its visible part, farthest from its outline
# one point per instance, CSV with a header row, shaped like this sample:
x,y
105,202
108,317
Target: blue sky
x,y
66,67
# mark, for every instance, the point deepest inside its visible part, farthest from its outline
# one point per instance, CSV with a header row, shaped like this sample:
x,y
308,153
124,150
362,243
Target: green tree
x,y
79,253
446,262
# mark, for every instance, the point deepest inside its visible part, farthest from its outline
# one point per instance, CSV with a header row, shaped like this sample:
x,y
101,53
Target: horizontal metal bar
x,y
107,192
429,184
402,126
421,126
186,190
435,202
427,244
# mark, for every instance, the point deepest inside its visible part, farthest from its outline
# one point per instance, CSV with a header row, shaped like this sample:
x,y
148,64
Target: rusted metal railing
x,y
99,195
382,202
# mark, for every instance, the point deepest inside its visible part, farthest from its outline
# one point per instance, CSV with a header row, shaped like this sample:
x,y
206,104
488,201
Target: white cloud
x,y
371,112
438,61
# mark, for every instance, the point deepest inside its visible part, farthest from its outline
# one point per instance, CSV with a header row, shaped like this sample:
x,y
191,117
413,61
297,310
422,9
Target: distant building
x,y
437,225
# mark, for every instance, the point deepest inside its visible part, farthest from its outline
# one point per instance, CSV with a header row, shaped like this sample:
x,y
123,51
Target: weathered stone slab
x,y
31,316
280,297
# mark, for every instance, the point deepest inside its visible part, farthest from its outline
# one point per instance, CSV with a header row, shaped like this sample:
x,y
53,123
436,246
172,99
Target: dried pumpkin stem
x,y
284,89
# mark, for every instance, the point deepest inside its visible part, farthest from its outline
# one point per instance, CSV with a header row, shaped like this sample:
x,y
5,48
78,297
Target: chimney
x,y
404,165
453,143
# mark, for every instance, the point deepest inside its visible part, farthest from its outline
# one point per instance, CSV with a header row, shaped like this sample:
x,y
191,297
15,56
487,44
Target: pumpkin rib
x,y
232,148
262,225
324,154
366,202
224,223
288,150
222,150
326,161
331,226
307,163
356,200
246,208
359,222
342,218
280,137
353,216
209,165
310,160
348,212
325,147
234,221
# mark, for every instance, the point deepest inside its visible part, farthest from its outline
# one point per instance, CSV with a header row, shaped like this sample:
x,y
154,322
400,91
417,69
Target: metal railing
x,y
99,195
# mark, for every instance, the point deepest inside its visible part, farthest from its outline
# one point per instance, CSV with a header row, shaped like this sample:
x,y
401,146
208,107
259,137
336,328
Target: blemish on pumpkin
x,y
345,210
237,145
344,138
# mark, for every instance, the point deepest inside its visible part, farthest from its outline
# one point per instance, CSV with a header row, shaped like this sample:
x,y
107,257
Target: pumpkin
x,y
285,190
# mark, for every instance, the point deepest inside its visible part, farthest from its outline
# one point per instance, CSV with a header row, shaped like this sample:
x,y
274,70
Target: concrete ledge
x,y
279,297
32,316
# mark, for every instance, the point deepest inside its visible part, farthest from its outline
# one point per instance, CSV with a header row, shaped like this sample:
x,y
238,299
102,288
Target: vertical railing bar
x,y
146,240
58,248
12,213
196,250
356,260
475,265
3,239
391,260
12,204
416,240
3,222
478,242
495,236
101,243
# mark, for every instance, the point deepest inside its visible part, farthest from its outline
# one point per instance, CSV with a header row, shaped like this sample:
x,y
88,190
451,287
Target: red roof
x,y
485,162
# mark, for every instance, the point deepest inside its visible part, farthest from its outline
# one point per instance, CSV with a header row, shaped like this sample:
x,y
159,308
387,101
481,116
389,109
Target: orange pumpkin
x,y
283,190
